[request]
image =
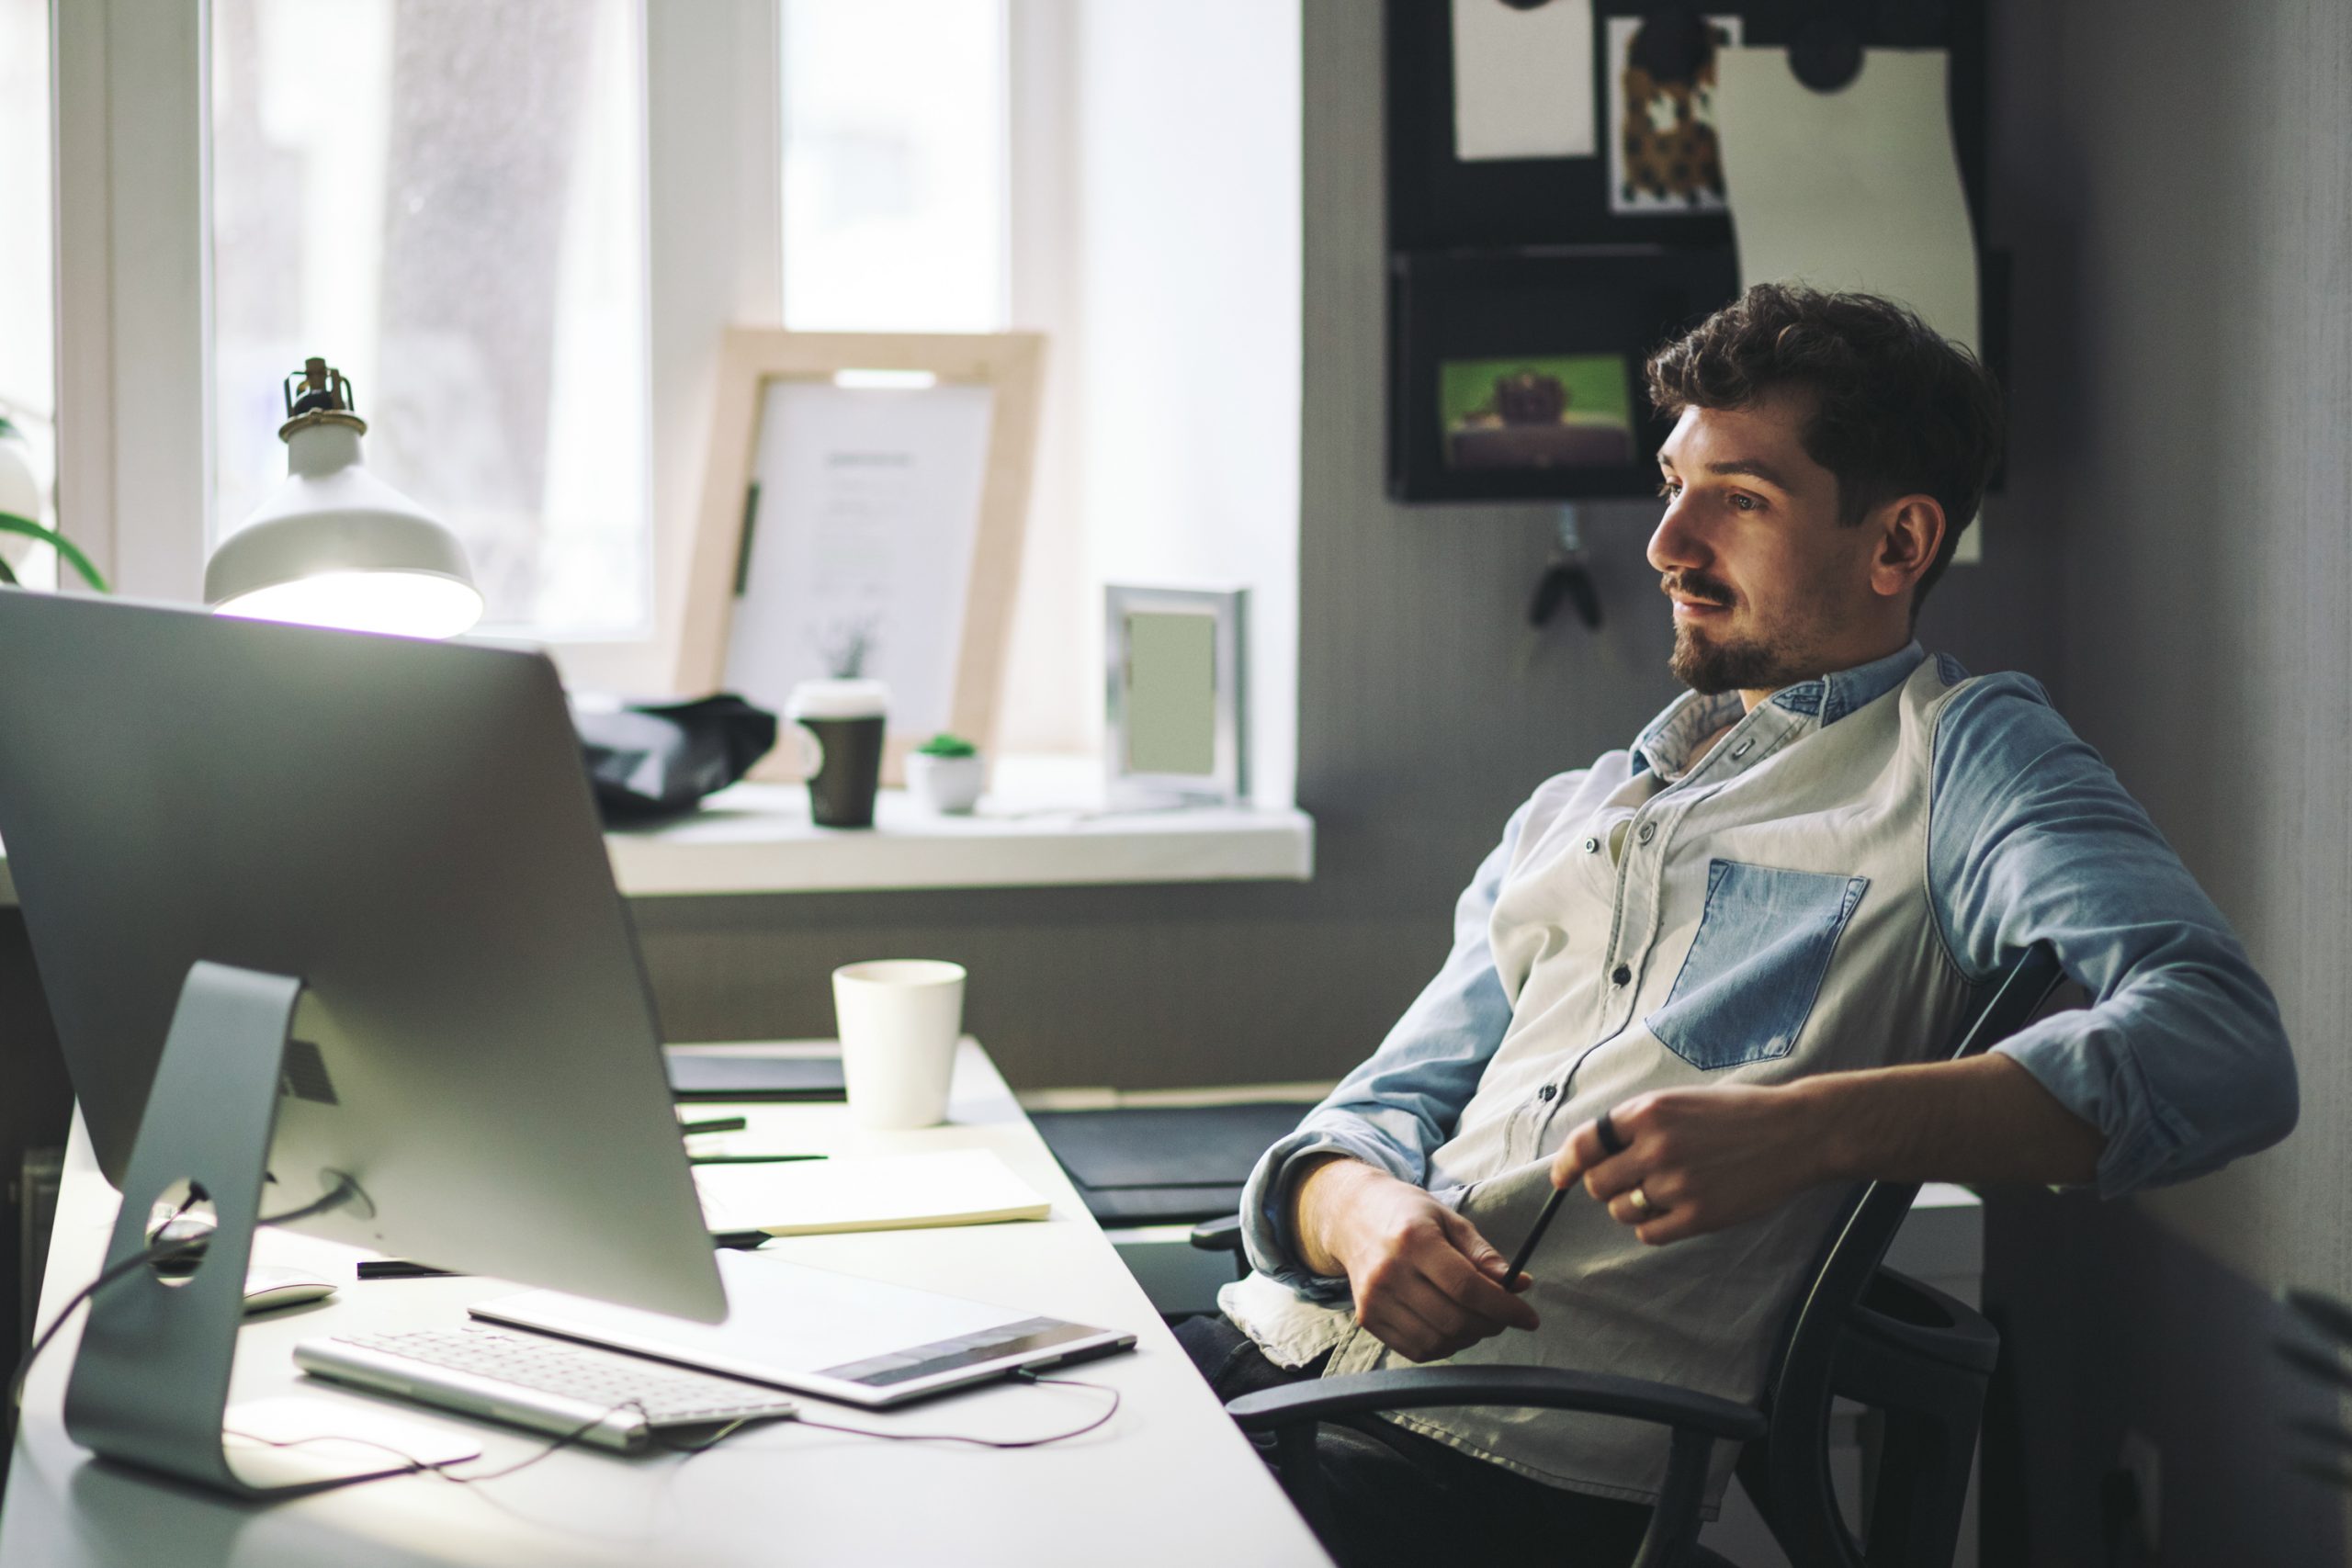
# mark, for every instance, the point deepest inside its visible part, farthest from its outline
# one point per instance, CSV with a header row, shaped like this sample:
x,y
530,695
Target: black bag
x,y
649,759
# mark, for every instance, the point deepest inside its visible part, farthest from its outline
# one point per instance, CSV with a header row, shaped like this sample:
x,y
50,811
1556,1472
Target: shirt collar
x,y
1666,743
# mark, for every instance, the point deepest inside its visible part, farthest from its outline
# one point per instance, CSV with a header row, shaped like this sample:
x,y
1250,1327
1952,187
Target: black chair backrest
x,y
1799,1500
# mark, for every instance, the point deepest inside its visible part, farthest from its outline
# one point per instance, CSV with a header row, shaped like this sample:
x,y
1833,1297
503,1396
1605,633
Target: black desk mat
x,y
1164,1164
744,1075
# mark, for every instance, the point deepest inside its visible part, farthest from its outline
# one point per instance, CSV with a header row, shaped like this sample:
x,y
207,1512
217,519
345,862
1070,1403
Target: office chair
x,y
1860,1331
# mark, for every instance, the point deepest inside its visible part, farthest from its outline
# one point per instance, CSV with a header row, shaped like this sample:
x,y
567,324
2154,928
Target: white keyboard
x,y
550,1385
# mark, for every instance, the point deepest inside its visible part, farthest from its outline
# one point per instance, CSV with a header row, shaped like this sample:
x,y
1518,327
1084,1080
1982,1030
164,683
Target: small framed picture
x,y
1663,159
1176,674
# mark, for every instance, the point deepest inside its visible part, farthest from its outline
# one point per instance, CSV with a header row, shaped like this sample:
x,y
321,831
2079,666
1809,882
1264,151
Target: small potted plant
x,y
944,773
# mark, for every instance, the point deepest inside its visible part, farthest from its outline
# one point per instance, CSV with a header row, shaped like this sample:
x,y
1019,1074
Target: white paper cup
x,y
899,1020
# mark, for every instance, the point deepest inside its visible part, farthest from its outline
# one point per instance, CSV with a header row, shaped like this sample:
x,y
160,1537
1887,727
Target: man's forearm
x,y
1320,1180
1984,1120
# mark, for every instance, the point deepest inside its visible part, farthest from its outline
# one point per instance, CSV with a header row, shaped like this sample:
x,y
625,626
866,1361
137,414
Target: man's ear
x,y
1910,531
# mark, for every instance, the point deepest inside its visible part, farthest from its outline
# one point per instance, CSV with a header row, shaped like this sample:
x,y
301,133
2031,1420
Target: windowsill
x,y
1043,826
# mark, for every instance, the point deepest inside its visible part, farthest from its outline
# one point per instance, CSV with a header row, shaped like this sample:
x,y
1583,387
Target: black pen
x,y
716,1124
747,1159
401,1268
1527,1247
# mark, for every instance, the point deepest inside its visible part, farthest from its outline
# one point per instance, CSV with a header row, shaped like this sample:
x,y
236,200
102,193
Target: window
x,y
522,228
27,388
445,201
894,165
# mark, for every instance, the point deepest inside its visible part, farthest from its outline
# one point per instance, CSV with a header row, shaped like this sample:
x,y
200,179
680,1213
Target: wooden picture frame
x,y
741,510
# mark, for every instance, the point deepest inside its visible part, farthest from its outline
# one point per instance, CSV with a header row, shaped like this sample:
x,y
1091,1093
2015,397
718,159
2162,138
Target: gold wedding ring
x,y
1640,1199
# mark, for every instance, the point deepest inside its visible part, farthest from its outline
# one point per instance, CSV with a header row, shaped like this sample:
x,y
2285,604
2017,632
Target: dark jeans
x,y
1398,1497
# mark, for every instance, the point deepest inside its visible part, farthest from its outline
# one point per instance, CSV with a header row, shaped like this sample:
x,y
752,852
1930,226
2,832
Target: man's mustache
x,y
1695,585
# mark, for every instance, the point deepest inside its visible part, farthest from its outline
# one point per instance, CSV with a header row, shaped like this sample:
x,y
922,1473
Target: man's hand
x,y
1426,1284
1705,1158
1702,1159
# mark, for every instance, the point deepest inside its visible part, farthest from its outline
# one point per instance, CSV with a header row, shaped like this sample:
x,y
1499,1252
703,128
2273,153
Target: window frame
x,y
133,129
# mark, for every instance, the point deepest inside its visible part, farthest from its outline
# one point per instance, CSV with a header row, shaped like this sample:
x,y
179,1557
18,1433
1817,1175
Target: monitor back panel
x,y
407,827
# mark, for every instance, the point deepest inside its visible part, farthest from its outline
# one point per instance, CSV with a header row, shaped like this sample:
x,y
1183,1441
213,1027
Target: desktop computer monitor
x,y
405,829
327,927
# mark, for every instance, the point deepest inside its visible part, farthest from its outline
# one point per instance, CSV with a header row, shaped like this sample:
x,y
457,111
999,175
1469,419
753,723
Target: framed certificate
x,y
861,516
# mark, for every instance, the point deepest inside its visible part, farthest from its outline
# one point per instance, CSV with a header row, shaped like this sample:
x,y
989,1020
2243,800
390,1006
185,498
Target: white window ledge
x,y
1043,827
1029,833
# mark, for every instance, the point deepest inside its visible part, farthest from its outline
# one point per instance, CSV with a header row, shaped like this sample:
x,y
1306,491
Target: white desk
x,y
1168,1480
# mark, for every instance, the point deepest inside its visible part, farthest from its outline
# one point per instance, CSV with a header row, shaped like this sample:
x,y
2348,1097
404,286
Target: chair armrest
x,y
1541,1388
1913,1316
1696,1421
1220,1235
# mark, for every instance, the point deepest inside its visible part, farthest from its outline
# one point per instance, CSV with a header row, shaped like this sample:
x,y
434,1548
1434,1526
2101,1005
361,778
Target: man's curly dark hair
x,y
1896,410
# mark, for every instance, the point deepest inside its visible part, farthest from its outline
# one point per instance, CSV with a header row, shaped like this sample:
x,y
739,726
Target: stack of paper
x,y
865,1192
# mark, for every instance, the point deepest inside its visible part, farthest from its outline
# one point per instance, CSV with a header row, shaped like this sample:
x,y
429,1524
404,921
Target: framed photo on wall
x,y
1518,375
862,515
1177,677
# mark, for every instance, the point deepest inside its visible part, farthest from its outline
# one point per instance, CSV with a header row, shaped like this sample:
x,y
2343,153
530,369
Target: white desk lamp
x,y
336,546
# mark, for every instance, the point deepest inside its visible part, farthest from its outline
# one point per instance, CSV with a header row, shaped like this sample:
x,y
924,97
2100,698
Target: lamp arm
x,y
66,549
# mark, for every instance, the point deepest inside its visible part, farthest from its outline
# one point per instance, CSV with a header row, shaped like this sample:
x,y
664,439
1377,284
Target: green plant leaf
x,y
946,745
67,551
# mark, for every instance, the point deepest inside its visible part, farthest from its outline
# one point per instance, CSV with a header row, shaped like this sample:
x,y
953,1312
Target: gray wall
x,y
2186,215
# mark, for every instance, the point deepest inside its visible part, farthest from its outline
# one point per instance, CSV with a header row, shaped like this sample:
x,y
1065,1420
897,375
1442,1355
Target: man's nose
x,y
1675,542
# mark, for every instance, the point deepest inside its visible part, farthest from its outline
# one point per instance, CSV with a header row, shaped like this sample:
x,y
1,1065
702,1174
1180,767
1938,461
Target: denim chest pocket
x,y
1749,983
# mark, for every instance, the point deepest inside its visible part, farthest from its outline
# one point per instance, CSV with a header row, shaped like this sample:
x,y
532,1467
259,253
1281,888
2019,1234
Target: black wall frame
x,y
1536,303
1511,258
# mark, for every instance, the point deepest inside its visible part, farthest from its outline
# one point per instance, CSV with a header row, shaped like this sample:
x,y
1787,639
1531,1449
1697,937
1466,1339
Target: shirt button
x,y
1649,832
1619,975
1546,1092
1592,846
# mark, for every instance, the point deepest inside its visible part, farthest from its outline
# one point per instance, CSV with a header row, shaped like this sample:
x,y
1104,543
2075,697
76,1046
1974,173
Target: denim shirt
x,y
1874,845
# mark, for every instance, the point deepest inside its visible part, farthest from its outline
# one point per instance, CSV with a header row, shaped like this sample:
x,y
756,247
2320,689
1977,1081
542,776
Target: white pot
x,y
947,784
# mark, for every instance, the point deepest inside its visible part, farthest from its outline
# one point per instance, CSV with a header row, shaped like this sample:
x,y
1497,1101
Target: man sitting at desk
x,y
1741,939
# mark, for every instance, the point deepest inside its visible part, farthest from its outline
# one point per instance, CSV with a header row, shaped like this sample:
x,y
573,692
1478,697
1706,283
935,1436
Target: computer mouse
x,y
269,1286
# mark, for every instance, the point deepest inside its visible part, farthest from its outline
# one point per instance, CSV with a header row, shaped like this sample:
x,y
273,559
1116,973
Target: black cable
x,y
989,1442
155,1252
415,1465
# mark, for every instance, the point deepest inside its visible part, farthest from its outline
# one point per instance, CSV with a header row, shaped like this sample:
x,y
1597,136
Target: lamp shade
x,y
334,545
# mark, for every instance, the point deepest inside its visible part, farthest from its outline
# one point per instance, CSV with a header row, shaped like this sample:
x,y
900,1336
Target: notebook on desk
x,y
865,1192
814,1331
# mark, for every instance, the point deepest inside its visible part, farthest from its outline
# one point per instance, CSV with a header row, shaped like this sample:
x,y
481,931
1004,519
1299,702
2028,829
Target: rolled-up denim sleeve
x,y
1402,1102
2180,1060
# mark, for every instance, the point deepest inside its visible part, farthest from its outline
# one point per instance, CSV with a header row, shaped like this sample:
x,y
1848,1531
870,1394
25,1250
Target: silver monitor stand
x,y
322,913
151,1382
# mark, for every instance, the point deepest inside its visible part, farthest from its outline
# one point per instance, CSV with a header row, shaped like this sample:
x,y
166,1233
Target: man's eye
x,y
1743,502
1667,489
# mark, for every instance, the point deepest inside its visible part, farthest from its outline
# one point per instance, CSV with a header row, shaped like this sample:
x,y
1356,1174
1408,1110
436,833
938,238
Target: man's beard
x,y
1711,666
